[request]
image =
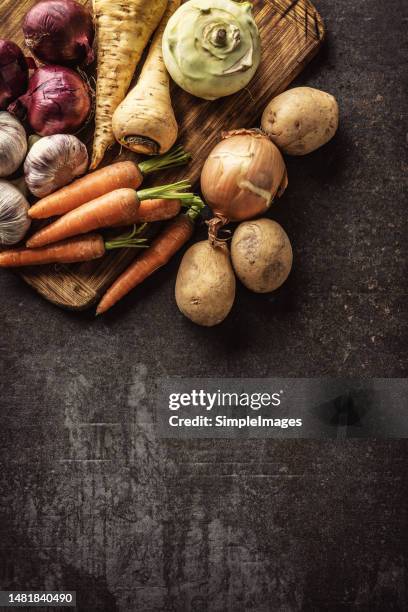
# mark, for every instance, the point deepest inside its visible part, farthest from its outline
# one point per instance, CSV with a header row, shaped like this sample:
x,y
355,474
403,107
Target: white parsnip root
x,y
144,122
123,28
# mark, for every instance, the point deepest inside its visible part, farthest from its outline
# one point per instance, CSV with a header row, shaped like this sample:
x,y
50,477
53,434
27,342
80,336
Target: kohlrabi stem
x,y
174,191
175,157
127,241
221,37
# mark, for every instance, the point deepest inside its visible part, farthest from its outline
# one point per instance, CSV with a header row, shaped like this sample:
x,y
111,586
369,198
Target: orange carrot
x,y
120,175
72,250
117,176
83,248
174,236
158,210
119,207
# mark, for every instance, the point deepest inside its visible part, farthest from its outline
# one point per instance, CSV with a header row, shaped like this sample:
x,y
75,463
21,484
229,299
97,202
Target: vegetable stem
x,y
175,157
127,241
195,205
174,191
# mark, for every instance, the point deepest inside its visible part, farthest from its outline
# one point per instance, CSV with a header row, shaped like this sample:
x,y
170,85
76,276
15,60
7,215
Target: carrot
x,y
123,28
72,250
158,210
69,251
144,122
110,209
162,210
120,175
120,207
171,240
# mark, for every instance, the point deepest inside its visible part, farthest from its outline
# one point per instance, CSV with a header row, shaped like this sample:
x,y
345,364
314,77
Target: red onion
x,y
60,32
57,101
13,73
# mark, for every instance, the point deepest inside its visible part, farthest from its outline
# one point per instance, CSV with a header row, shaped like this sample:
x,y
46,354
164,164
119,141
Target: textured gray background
x,y
90,498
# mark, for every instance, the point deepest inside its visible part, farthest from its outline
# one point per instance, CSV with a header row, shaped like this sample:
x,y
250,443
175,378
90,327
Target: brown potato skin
x,y
300,120
261,254
205,286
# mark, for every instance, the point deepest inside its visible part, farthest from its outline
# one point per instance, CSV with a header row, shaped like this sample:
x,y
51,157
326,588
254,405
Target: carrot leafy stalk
x,y
128,241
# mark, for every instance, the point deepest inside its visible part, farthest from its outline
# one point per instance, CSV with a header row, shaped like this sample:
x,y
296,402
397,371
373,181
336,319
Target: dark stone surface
x,y
92,501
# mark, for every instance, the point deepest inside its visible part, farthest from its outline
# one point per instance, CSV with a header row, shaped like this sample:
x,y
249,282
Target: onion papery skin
x,y
58,101
212,48
13,73
60,32
241,177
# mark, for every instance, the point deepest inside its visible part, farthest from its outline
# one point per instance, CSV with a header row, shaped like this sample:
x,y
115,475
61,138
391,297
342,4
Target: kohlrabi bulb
x,y
212,48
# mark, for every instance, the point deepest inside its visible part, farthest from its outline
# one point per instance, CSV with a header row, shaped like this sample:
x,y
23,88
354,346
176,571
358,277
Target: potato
x,y
261,255
205,286
301,120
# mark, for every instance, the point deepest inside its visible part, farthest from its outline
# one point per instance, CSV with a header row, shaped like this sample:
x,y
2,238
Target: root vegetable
x,y
84,248
119,207
150,211
144,122
205,286
163,248
261,255
158,210
241,177
123,31
301,120
120,175
72,250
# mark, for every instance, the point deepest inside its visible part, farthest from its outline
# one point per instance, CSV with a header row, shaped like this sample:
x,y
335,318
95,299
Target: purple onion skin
x,y
57,101
13,73
60,32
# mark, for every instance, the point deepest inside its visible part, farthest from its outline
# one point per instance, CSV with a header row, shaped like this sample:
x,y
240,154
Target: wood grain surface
x,y
291,32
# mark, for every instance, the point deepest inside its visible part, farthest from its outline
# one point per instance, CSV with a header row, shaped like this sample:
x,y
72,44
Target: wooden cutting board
x,y
291,33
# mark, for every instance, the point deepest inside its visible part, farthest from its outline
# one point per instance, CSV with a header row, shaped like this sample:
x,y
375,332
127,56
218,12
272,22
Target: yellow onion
x,y
241,177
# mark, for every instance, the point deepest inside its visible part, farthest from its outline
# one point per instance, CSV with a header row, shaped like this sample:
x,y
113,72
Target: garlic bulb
x,y
53,162
13,144
14,220
21,185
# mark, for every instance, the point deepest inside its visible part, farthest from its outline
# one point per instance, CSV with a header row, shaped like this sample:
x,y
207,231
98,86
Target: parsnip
x,y
144,122
123,28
